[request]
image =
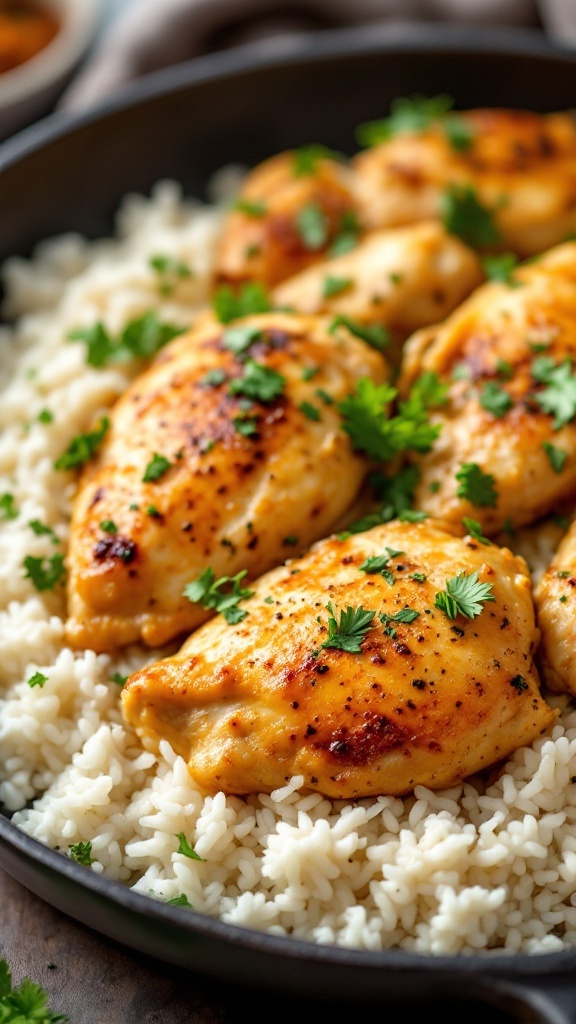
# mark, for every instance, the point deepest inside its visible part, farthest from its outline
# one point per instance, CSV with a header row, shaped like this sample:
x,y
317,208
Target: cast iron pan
x,y
69,173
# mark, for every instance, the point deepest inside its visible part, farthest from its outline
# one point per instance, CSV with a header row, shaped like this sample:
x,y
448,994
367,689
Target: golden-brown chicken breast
x,y
289,213
520,165
399,657
222,455
555,599
506,453
402,278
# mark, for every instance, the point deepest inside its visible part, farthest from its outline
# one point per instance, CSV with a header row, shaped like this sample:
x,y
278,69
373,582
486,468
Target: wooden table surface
x,y
96,981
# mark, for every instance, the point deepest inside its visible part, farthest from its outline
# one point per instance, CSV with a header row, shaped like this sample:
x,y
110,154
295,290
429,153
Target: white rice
x,y
477,869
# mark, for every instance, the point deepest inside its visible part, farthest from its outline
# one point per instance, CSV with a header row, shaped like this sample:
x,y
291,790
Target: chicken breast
x,y
346,671
506,356
221,455
520,165
403,279
555,599
289,212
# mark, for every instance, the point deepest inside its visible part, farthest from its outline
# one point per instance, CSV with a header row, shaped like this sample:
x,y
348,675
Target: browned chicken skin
x,y
555,599
244,482
425,702
287,216
521,165
494,344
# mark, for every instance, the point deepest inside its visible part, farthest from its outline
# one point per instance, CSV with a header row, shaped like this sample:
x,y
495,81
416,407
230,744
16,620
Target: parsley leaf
x,y
500,267
238,339
375,335
494,399
558,399
464,595
82,853
371,430
476,486
185,849
141,338
312,226
45,573
26,1003
37,679
556,456
348,233
259,382
465,216
82,447
7,507
407,114
306,159
251,298
404,615
251,207
157,467
310,411
475,530
207,591
179,901
335,285
350,632
119,679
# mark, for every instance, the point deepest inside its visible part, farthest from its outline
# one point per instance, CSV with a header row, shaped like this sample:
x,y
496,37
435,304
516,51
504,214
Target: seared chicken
x,y
403,279
291,209
417,698
555,598
506,355
520,165
221,455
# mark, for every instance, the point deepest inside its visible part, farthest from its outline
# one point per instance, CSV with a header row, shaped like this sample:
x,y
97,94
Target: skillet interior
x,y
69,173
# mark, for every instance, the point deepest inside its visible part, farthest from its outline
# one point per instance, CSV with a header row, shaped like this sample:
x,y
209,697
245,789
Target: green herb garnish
x,y
313,226
185,849
37,679
558,399
465,216
259,382
476,486
464,595
350,632
208,591
26,1003
44,573
494,399
156,468
556,456
229,305
375,335
82,853
83,446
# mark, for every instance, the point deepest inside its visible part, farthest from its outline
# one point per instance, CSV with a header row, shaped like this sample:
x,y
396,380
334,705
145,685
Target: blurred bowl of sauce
x,y
42,42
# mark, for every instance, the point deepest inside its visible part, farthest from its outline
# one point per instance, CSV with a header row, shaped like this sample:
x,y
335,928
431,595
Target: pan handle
x,y
540,1000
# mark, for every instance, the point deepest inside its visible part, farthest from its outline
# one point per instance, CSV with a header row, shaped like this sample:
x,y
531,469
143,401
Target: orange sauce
x,y
26,27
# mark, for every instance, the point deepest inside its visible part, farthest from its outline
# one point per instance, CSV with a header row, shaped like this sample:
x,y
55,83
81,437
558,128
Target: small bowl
x,y
28,91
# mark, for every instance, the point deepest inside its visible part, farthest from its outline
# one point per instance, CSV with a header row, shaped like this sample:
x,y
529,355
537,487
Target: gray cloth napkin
x,y
152,34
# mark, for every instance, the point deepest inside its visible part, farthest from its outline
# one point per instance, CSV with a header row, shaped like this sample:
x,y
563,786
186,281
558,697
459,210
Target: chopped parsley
x,y
208,591
251,207
404,615
475,530
82,853
335,285
378,563
26,1003
556,456
156,468
464,595
501,267
519,683
179,901
346,238
245,425
309,372
397,493
229,305
375,335
37,679
139,339
415,114
238,339
119,679
108,526
494,399
465,216
558,399
291,540
258,382
44,573
310,411
380,436
213,378
45,416
476,486
185,849
83,446
169,270
350,632
305,159
7,508
43,531
312,226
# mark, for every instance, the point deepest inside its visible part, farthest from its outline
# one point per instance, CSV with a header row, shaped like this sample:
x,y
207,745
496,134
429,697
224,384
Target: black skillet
x,y
69,173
